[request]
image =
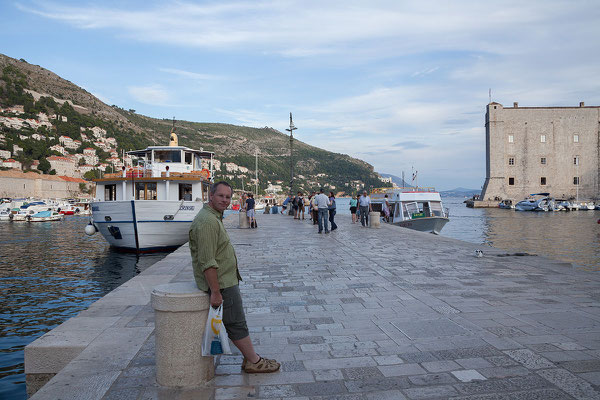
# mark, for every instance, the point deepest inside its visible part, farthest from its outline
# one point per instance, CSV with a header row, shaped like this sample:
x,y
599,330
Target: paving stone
x,y
418,357
388,360
325,388
362,373
539,394
502,361
591,377
573,385
328,375
377,384
385,395
270,391
231,393
474,363
581,365
468,375
503,372
436,392
402,370
529,359
440,366
432,379
292,366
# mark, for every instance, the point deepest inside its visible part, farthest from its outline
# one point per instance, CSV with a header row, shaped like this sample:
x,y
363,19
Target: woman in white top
x,y
386,208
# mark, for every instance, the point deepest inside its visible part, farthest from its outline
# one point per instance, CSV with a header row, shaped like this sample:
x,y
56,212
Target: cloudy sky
x,y
399,84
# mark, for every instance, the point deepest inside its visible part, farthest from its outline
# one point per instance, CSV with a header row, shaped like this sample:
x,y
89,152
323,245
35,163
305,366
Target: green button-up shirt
x,y
211,248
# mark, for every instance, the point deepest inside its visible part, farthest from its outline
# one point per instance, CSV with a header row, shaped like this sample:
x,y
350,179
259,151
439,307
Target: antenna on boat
x,y
256,173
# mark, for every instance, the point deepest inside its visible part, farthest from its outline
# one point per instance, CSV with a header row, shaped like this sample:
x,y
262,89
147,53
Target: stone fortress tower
x,y
542,149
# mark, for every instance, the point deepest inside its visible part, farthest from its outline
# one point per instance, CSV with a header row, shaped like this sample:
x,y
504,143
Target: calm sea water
x,y
569,236
50,271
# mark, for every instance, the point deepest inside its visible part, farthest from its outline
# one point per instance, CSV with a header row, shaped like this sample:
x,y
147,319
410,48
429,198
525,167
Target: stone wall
x,y
29,184
536,133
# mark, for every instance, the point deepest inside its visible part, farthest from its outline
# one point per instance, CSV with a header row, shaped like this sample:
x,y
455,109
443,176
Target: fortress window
x,y
575,138
543,180
576,180
511,181
576,160
543,138
543,160
511,161
511,139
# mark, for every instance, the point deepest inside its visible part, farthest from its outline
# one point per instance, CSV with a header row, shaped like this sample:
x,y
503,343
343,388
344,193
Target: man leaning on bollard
x,y
216,272
364,203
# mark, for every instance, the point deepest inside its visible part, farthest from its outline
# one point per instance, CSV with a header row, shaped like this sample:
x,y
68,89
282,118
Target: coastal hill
x,y
32,93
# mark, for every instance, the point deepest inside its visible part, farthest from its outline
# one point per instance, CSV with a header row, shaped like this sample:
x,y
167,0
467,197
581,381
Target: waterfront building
x,y
62,165
542,149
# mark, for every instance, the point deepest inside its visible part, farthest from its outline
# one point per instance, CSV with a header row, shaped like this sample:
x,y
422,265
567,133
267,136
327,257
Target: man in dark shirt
x,y
250,210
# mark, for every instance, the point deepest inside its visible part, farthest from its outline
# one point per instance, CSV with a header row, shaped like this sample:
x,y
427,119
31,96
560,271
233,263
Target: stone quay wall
x,y
30,184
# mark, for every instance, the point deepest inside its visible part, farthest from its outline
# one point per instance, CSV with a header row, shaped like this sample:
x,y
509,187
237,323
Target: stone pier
x,y
359,313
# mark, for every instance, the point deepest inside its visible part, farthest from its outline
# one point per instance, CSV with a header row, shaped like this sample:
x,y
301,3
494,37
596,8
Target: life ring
x,y
205,174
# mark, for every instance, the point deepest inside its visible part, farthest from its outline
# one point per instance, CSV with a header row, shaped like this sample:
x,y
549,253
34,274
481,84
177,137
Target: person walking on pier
x,y
216,272
250,204
314,208
284,206
353,205
386,208
322,203
364,202
332,211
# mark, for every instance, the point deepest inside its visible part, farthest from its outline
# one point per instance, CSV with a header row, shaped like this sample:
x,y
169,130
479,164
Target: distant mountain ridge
x,y
314,167
460,192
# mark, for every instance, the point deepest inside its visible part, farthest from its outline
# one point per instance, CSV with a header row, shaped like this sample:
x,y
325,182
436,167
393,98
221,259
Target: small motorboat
x,y
44,216
506,204
532,203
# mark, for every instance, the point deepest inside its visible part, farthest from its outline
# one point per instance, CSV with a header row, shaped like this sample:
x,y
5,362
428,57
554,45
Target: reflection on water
x,y
49,272
568,236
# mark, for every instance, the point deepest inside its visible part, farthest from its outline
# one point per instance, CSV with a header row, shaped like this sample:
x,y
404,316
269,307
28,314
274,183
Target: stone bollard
x,y
374,219
181,310
244,220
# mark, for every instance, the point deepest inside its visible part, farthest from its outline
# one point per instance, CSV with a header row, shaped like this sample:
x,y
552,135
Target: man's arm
x,y
213,283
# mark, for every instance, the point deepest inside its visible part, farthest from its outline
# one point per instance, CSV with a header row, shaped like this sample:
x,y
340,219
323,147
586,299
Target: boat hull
x,y
429,224
145,225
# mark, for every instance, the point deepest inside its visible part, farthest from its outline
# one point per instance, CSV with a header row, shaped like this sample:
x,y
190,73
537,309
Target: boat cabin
x,y
160,173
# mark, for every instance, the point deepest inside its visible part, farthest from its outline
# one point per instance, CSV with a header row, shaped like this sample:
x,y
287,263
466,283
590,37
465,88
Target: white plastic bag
x,y
215,340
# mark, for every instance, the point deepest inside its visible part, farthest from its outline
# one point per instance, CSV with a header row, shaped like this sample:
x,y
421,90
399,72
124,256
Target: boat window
x,y
110,192
185,191
435,208
145,191
188,158
167,156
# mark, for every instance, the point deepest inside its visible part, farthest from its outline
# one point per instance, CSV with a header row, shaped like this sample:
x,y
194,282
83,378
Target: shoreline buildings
x,y
542,149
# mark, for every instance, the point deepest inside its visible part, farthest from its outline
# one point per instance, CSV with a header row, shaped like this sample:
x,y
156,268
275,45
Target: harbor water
x,y
50,271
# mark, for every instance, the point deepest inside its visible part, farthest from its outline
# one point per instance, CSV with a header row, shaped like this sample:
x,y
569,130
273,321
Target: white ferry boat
x,y
151,207
418,208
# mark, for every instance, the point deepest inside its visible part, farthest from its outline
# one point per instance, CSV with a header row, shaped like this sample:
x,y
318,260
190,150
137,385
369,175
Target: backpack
x,y
300,202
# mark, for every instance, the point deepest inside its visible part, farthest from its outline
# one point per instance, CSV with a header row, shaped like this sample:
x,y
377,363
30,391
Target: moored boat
x,y
151,207
541,203
44,216
506,204
418,208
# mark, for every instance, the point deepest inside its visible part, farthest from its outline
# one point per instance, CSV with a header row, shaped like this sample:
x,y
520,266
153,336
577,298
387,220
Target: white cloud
x,y
190,75
152,94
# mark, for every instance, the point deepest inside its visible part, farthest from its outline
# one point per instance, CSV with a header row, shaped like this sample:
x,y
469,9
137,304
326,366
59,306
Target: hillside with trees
x,y
74,111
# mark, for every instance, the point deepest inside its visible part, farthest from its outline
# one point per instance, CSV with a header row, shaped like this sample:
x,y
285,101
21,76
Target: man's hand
x,y
216,299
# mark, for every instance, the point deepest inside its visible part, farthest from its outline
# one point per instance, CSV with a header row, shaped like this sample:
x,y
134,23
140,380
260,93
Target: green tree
x,y
44,165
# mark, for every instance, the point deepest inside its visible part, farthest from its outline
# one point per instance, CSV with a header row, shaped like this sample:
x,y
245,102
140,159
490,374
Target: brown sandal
x,y
263,365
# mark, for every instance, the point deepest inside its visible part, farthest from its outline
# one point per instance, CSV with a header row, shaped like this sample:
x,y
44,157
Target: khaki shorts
x,y
234,318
